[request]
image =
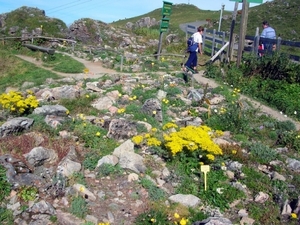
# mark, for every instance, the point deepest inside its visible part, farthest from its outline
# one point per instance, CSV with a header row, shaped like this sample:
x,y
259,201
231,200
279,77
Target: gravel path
x,y
265,109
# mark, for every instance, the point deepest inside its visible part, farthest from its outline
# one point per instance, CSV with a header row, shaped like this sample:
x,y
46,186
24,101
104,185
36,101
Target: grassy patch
x,y
62,63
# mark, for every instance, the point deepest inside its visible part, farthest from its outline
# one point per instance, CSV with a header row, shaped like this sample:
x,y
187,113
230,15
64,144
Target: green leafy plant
x,y
153,217
155,193
219,191
6,216
262,154
77,178
78,207
109,170
28,193
5,186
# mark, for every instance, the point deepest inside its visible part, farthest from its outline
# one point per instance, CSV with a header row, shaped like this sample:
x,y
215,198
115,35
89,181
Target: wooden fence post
x,y
243,29
223,43
278,44
213,43
256,41
231,47
231,38
203,39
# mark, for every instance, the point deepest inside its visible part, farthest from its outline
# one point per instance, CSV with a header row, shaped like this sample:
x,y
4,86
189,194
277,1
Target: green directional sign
x,y
167,8
164,24
250,1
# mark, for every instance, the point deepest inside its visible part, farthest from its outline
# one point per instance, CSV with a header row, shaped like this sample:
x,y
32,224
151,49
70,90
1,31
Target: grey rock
x,y
103,103
15,125
186,200
56,110
121,129
42,207
214,221
153,108
38,155
67,218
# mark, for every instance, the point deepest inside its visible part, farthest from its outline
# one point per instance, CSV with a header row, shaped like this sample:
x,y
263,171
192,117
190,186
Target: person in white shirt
x,y
192,61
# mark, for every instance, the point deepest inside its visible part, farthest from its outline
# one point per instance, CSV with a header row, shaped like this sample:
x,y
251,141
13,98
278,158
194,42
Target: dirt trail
x,y
265,109
96,70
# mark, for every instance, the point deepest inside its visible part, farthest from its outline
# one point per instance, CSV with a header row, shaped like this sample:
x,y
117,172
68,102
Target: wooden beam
x,y
243,30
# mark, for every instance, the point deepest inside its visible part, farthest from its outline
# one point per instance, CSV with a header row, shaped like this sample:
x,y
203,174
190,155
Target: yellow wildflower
x,y
294,216
98,134
87,96
183,221
153,220
137,139
233,152
176,215
81,189
154,112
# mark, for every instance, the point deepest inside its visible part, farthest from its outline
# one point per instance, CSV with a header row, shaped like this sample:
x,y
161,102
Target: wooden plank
x,y
42,49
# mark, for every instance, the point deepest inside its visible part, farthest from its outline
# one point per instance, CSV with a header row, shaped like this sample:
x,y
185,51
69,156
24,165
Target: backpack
x,y
191,45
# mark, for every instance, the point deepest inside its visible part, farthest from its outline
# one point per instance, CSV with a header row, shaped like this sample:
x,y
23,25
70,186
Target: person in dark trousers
x,y
192,61
268,32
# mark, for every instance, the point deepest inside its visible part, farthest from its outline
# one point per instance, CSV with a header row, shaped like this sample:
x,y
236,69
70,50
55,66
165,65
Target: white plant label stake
x,y
204,169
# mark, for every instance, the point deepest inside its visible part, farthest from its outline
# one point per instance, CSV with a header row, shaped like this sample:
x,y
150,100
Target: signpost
x,y
164,24
250,1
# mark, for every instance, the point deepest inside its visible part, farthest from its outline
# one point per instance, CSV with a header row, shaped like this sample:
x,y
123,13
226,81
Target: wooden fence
x,y
212,39
256,40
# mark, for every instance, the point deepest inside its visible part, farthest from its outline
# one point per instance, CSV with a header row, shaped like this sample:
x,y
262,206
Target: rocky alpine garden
x,y
145,145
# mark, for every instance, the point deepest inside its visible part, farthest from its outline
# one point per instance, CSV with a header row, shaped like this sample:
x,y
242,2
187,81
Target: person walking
x,y
268,32
192,61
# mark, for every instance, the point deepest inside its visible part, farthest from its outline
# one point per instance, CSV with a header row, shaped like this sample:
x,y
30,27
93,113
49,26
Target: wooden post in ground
x,y
243,29
231,39
231,47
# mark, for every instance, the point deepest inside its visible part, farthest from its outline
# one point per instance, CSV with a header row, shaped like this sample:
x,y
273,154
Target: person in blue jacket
x,y
268,32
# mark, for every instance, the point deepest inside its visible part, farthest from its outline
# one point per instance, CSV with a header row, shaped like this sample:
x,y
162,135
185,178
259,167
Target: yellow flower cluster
x,y
192,138
147,138
166,101
222,110
121,110
169,126
102,223
235,92
152,141
294,216
132,98
16,103
182,221
138,139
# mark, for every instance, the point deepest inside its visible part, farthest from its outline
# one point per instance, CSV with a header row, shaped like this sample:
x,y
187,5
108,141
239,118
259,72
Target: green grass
x,y
14,72
62,63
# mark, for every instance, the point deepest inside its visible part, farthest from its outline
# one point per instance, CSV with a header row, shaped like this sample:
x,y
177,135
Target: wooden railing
x,y
212,39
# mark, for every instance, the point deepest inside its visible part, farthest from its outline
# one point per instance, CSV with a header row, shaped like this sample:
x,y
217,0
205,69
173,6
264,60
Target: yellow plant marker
x,y
204,169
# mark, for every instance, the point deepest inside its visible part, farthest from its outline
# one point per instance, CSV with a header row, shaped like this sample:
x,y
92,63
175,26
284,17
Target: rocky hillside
x,y
75,167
